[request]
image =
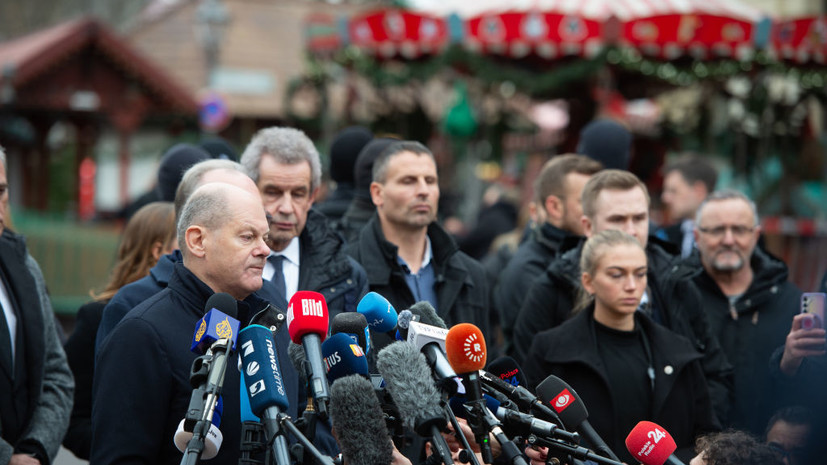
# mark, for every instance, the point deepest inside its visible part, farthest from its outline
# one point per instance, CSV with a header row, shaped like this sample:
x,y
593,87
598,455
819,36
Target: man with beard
x,y
747,298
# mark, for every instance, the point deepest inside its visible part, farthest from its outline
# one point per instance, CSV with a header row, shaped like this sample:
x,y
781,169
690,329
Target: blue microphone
x,y
265,389
343,357
379,313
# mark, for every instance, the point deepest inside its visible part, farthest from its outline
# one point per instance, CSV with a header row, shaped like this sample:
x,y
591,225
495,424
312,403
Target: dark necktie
x,y
278,276
5,341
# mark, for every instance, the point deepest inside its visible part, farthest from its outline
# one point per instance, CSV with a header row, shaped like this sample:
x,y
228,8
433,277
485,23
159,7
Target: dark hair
x,y
735,448
380,166
552,177
794,415
694,168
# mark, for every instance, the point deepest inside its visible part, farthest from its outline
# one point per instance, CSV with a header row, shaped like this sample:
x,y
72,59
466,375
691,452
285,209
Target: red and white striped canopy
x,y
599,10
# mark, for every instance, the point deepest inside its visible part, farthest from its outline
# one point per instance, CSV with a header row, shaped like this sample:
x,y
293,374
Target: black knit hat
x,y
174,163
345,149
607,142
363,171
219,148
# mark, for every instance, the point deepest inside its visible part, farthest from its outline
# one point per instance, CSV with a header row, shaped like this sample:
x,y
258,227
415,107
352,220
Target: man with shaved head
x,y
142,388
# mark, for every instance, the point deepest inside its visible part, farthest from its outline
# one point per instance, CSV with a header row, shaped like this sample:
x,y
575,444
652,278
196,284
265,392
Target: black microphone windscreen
x,y
506,369
427,314
410,383
359,423
297,357
352,323
223,302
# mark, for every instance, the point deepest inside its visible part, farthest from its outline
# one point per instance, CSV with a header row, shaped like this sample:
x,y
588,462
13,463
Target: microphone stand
x,y
286,424
510,452
472,458
214,364
577,452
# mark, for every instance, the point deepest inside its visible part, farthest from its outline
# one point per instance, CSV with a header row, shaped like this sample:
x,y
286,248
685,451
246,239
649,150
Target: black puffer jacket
x,y
327,269
552,297
529,261
764,317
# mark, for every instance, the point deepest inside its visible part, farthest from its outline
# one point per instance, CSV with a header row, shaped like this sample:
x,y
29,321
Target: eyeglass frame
x,y
738,230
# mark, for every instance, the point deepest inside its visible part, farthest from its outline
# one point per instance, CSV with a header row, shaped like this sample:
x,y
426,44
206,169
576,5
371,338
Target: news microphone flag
x,y
216,324
650,444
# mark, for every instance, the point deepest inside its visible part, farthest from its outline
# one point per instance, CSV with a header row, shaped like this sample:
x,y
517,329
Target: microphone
x,y
505,376
379,313
565,401
343,357
466,351
427,314
359,423
402,322
355,325
506,369
652,445
213,440
307,323
265,388
408,380
214,339
430,340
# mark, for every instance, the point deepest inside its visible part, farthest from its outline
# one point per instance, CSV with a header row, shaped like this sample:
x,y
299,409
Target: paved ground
x,y
64,457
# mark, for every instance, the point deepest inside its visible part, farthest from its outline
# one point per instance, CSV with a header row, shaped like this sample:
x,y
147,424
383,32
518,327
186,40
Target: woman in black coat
x,y
623,366
149,234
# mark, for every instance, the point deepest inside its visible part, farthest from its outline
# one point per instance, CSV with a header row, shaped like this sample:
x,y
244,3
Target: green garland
x,y
489,70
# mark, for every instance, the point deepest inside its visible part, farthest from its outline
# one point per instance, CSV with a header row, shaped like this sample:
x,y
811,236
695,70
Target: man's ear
x,y
699,189
587,226
196,238
313,195
376,193
554,207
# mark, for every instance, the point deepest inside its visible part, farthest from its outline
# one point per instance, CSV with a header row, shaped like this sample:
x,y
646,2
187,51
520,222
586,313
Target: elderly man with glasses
x,y
749,302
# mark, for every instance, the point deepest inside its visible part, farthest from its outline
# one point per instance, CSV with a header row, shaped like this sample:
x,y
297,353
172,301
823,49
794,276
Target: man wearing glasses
x,y
748,300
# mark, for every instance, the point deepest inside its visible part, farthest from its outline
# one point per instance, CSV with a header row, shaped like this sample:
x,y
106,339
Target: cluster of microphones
x,y
427,379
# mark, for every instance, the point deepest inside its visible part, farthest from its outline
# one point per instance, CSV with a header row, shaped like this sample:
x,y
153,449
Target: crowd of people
x,y
694,325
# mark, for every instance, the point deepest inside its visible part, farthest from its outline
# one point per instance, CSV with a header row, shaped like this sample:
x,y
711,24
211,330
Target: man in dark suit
x,y
36,383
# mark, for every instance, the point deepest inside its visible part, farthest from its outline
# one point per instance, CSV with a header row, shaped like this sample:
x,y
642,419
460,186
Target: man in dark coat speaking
x,y
142,387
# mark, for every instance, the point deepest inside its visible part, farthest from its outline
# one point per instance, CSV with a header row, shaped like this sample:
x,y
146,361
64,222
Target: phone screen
x,y
813,303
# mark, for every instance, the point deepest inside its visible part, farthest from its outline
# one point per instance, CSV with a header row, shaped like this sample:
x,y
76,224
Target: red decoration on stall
x,y
700,35
548,35
397,32
801,39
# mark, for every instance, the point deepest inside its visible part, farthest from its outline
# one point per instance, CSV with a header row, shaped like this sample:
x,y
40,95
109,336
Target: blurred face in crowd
x,y
572,208
726,235
408,198
789,439
681,198
617,282
285,191
627,211
4,198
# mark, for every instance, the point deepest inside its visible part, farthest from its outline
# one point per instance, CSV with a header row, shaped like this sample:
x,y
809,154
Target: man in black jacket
x,y
408,256
141,387
615,199
306,253
557,192
747,299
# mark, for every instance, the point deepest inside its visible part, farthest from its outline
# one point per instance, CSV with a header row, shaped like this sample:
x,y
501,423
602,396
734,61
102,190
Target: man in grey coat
x,y
35,380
